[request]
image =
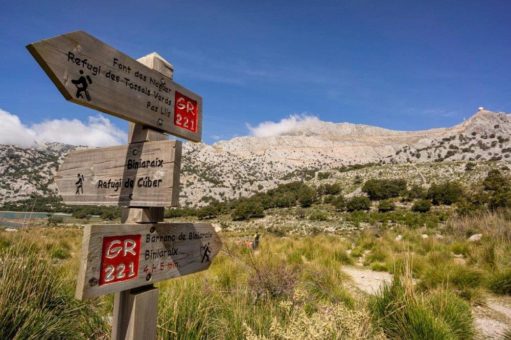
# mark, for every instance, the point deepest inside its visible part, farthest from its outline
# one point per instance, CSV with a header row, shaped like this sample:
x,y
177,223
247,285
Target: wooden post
x,y
135,312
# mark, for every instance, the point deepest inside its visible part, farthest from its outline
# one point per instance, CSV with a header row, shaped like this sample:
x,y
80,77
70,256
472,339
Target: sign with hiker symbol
x,y
79,184
82,84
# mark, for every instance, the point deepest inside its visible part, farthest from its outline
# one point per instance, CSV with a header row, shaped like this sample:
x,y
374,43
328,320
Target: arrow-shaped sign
x,y
91,73
121,257
136,175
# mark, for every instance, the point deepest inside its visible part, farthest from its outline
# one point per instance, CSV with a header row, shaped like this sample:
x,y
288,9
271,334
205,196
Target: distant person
x,y
255,243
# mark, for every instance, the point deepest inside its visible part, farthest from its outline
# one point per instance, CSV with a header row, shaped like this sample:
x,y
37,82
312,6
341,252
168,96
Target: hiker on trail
x,y
81,86
255,243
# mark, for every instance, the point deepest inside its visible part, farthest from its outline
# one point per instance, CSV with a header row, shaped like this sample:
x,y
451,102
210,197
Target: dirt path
x,y
491,321
367,280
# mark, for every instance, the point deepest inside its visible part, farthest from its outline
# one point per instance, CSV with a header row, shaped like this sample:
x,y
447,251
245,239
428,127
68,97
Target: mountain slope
x,y
244,165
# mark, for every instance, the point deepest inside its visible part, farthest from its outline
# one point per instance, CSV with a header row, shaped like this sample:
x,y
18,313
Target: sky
x,y
398,64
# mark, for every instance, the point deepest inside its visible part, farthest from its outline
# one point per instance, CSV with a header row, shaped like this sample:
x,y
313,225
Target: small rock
x,y
399,237
475,238
11,230
424,236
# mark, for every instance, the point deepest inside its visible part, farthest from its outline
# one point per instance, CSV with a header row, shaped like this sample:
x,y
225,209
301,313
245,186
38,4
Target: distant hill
x,y
244,165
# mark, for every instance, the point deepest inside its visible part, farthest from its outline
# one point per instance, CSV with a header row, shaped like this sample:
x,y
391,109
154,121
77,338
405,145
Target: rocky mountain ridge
x,y
245,165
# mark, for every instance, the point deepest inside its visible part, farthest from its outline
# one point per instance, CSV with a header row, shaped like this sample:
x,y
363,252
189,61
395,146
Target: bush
x,y
318,215
358,203
470,166
35,303
446,193
110,214
329,189
306,197
284,200
324,175
500,199
500,283
339,203
55,220
421,206
385,206
403,314
272,280
207,212
495,181
378,189
416,192
180,212
247,209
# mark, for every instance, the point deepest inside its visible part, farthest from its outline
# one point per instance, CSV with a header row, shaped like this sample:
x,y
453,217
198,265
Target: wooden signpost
x,y
127,259
127,256
91,73
139,174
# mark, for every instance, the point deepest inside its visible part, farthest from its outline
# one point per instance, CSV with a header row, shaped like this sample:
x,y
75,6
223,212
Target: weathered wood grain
x,y
115,83
167,250
135,314
126,169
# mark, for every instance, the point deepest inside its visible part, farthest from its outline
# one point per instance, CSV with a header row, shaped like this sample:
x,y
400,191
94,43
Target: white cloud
x,y
12,131
98,131
286,126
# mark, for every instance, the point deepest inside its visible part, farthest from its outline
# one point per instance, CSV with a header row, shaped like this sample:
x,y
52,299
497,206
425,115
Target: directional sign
x,y
121,257
137,175
90,73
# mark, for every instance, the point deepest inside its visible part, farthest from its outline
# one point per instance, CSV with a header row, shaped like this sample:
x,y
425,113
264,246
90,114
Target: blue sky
x,y
397,64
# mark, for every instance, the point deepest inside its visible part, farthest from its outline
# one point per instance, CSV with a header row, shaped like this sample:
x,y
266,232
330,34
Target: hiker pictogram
x,y
205,255
79,184
82,84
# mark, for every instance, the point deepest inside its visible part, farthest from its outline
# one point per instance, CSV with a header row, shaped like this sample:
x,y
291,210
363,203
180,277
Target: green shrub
x,y
179,212
460,248
446,193
500,283
341,256
495,181
404,314
306,197
318,215
247,209
500,199
358,203
463,280
470,166
284,200
416,192
207,212
421,206
324,175
339,203
454,311
55,220
386,205
272,279
329,189
378,189
379,267
36,303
